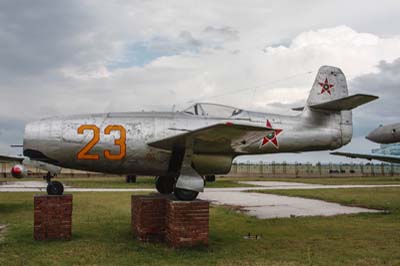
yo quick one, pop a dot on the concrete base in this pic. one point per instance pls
(52, 217)
(178, 223)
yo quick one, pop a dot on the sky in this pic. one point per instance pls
(86, 56)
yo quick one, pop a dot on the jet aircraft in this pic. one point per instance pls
(180, 148)
(384, 135)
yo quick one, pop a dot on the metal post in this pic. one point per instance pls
(372, 169)
(284, 168)
(273, 168)
(319, 168)
(362, 169)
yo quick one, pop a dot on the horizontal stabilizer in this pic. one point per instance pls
(298, 108)
(11, 158)
(344, 104)
(384, 158)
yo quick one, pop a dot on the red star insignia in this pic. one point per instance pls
(326, 87)
(271, 137)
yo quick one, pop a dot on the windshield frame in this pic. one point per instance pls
(198, 110)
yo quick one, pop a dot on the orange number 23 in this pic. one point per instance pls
(83, 154)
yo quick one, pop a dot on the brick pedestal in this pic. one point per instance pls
(52, 217)
(187, 223)
(148, 218)
(178, 223)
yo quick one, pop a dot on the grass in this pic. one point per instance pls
(101, 235)
(119, 182)
(370, 180)
(222, 182)
(376, 198)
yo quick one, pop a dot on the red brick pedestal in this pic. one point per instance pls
(148, 217)
(52, 217)
(178, 223)
(187, 223)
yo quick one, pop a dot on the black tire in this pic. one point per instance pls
(165, 184)
(210, 178)
(55, 188)
(185, 194)
(130, 179)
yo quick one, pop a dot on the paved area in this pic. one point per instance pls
(256, 204)
(272, 206)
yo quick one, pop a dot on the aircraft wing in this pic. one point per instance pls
(384, 158)
(11, 158)
(218, 138)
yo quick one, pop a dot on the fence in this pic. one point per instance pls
(273, 169)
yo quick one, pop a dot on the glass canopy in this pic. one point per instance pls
(213, 110)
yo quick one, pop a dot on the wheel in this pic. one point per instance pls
(185, 194)
(55, 188)
(164, 184)
(130, 179)
(210, 178)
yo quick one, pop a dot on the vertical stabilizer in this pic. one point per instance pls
(330, 84)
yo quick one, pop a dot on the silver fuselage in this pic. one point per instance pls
(385, 134)
(56, 140)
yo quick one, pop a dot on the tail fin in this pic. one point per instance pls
(330, 84)
(329, 95)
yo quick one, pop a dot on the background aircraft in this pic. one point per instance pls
(383, 135)
(182, 147)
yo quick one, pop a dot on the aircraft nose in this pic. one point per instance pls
(374, 135)
(369, 137)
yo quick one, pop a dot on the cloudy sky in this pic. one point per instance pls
(66, 57)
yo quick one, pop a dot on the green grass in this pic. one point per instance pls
(119, 182)
(148, 182)
(376, 198)
(101, 235)
(141, 182)
(370, 180)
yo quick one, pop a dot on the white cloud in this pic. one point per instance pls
(56, 58)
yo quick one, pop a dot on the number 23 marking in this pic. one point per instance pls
(83, 154)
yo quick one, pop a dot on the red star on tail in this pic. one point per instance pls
(326, 87)
(271, 137)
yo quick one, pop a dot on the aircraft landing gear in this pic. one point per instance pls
(165, 184)
(209, 178)
(185, 194)
(53, 187)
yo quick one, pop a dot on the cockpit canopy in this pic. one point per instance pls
(213, 110)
